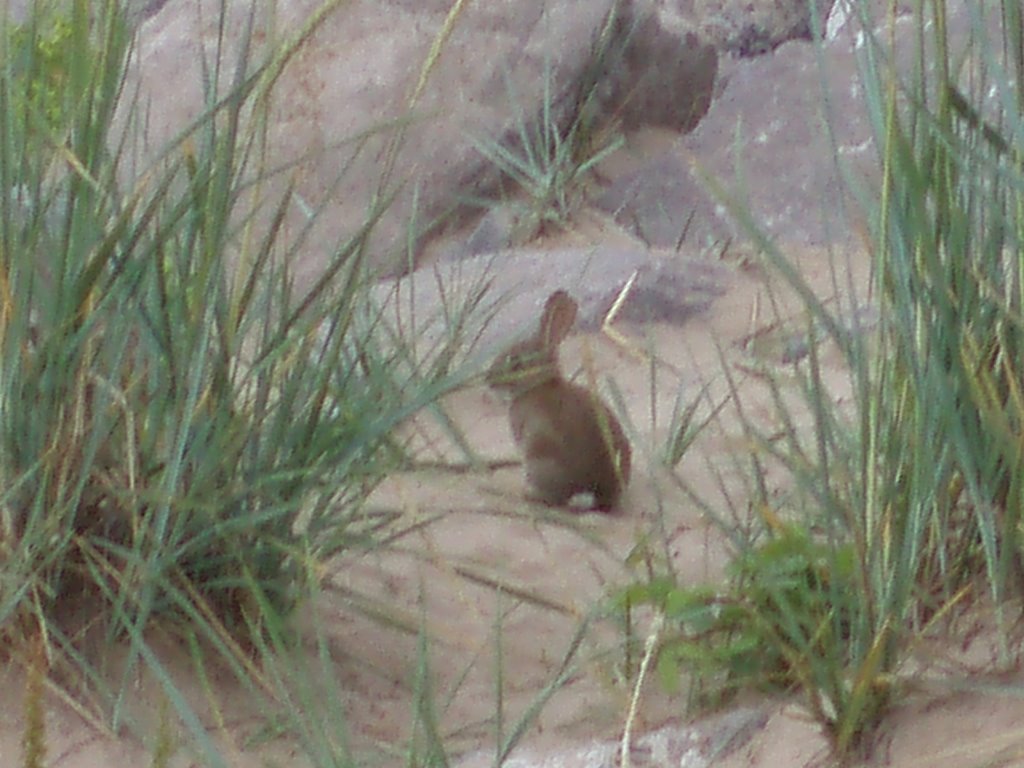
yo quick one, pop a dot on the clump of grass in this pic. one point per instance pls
(905, 505)
(185, 434)
(548, 165)
(549, 156)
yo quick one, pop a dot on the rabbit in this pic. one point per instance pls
(570, 440)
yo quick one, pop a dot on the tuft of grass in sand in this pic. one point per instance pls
(904, 507)
(186, 437)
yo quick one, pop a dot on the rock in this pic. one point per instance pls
(664, 75)
(337, 102)
(509, 290)
(763, 146)
(504, 226)
(767, 147)
(660, 203)
(753, 27)
(344, 123)
(700, 744)
(785, 139)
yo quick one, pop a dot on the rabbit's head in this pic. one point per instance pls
(534, 361)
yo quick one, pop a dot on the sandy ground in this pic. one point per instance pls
(479, 534)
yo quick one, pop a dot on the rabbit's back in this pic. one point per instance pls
(571, 444)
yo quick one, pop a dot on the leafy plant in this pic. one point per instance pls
(781, 623)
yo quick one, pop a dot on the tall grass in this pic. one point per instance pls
(924, 482)
(950, 226)
(905, 506)
(185, 435)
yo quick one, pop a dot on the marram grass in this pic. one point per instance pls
(186, 436)
(904, 506)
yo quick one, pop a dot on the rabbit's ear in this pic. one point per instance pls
(556, 322)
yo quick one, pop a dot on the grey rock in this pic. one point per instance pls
(660, 202)
(509, 288)
(753, 27)
(504, 226)
(664, 74)
(694, 745)
(344, 124)
(766, 145)
(342, 106)
(789, 139)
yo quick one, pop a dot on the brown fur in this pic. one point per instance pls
(570, 440)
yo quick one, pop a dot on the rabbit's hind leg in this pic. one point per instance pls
(548, 483)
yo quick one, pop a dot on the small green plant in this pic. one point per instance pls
(546, 164)
(550, 156)
(781, 623)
